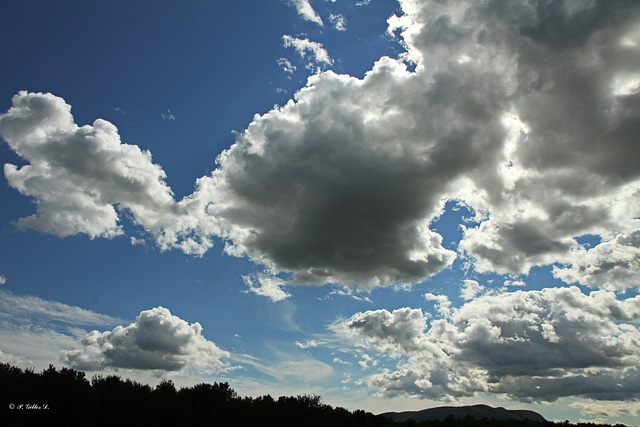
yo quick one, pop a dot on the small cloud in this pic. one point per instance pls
(363, 3)
(266, 285)
(3, 279)
(307, 344)
(121, 111)
(339, 21)
(349, 293)
(442, 303)
(518, 283)
(304, 46)
(304, 9)
(340, 361)
(286, 65)
(470, 290)
(168, 115)
(367, 362)
(138, 242)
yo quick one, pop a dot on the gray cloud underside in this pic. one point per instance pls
(526, 112)
(531, 346)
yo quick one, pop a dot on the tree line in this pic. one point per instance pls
(66, 397)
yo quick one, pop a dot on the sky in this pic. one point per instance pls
(391, 204)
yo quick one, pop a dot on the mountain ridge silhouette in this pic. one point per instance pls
(478, 412)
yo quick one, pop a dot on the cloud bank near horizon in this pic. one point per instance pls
(510, 111)
(531, 346)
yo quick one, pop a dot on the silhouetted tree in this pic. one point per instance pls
(118, 402)
(111, 401)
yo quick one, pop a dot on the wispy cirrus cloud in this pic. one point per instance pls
(33, 331)
(32, 309)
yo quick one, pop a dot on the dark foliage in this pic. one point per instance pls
(66, 398)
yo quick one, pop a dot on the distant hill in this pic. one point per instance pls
(477, 411)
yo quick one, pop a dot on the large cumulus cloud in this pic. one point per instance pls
(529, 345)
(340, 186)
(156, 340)
(527, 112)
(572, 167)
(511, 109)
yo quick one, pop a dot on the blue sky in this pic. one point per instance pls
(392, 204)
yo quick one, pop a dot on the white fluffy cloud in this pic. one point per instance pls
(157, 340)
(83, 177)
(304, 9)
(510, 111)
(470, 289)
(611, 265)
(77, 174)
(535, 345)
